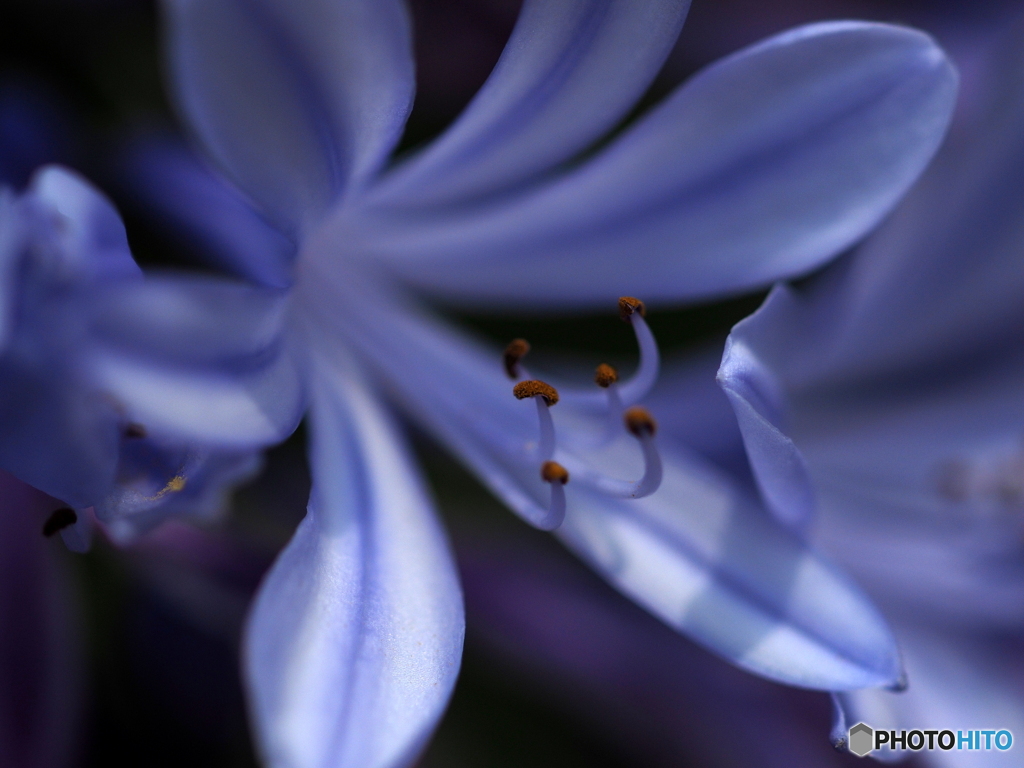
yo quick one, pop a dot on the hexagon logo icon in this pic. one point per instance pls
(861, 739)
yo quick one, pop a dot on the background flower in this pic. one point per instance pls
(895, 375)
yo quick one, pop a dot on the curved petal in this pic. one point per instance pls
(90, 239)
(758, 401)
(704, 559)
(569, 72)
(957, 682)
(699, 553)
(354, 641)
(192, 205)
(959, 235)
(58, 243)
(761, 166)
(199, 360)
(298, 102)
(916, 472)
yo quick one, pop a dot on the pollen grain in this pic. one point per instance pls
(639, 421)
(532, 388)
(553, 472)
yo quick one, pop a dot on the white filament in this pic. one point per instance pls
(546, 445)
(556, 512)
(636, 387)
(649, 482)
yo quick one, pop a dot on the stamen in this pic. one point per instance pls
(605, 376)
(533, 388)
(641, 425)
(636, 388)
(514, 352)
(545, 396)
(553, 472)
(59, 520)
(639, 422)
(556, 476)
(175, 485)
(646, 374)
(628, 306)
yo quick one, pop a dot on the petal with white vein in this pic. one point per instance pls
(296, 101)
(761, 166)
(199, 359)
(759, 403)
(570, 71)
(354, 641)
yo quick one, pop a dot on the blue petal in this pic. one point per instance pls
(902, 370)
(91, 240)
(957, 682)
(760, 167)
(702, 557)
(298, 102)
(958, 236)
(354, 641)
(159, 479)
(888, 453)
(700, 553)
(58, 242)
(189, 202)
(569, 72)
(759, 403)
(199, 359)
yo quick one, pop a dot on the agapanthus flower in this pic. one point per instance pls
(62, 245)
(887, 390)
(759, 168)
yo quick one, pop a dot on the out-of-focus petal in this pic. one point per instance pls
(917, 487)
(957, 682)
(569, 72)
(916, 471)
(760, 167)
(355, 638)
(698, 553)
(759, 404)
(192, 205)
(199, 359)
(298, 102)
(90, 237)
(157, 480)
(959, 235)
(57, 241)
